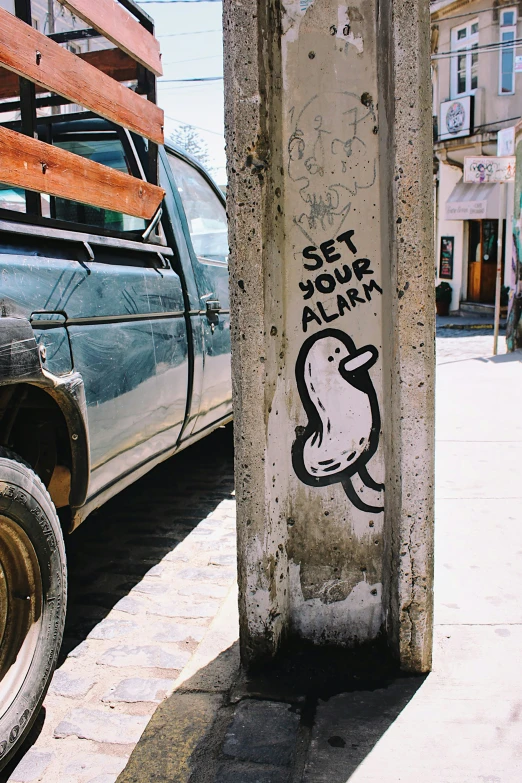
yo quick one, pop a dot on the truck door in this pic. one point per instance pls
(206, 225)
(126, 323)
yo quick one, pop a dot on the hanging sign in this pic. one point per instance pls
(446, 258)
(489, 169)
(456, 118)
(506, 142)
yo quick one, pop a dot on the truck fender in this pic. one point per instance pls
(20, 363)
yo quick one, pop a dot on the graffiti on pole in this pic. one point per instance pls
(344, 422)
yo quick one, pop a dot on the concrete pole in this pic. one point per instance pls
(328, 127)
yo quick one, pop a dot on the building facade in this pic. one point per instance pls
(477, 88)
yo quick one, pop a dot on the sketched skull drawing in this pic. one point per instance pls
(328, 158)
(343, 429)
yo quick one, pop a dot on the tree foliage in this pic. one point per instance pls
(187, 137)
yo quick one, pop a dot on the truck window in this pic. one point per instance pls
(105, 148)
(109, 152)
(12, 198)
(206, 216)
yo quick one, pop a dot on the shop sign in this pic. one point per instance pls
(446, 258)
(506, 142)
(489, 169)
(456, 118)
(518, 63)
(466, 210)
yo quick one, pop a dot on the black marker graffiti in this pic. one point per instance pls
(330, 279)
(344, 422)
(330, 163)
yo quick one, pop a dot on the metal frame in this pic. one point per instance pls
(33, 201)
(74, 35)
(69, 234)
(49, 132)
(141, 15)
(28, 102)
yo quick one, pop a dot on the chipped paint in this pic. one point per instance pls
(344, 29)
(356, 619)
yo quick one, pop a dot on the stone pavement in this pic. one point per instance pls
(149, 574)
(311, 718)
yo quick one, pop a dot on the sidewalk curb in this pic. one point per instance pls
(189, 719)
(466, 327)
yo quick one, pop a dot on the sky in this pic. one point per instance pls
(192, 47)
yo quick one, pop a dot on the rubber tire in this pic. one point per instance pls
(24, 499)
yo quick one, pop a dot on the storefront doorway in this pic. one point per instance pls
(482, 260)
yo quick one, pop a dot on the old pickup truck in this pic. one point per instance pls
(114, 355)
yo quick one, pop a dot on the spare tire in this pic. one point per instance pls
(33, 593)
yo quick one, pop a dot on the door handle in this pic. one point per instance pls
(213, 306)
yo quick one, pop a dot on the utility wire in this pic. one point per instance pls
(180, 122)
(498, 46)
(193, 60)
(193, 79)
(192, 32)
(170, 2)
(496, 122)
(461, 16)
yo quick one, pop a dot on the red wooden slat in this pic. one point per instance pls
(34, 165)
(118, 26)
(29, 53)
(113, 62)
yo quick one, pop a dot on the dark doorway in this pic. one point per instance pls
(482, 260)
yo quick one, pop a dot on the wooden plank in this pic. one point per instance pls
(33, 165)
(113, 62)
(119, 27)
(29, 53)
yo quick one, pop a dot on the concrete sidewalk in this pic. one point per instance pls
(460, 724)
(465, 721)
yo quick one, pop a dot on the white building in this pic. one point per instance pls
(477, 91)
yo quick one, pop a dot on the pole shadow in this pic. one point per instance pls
(345, 701)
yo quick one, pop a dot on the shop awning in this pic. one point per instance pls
(473, 202)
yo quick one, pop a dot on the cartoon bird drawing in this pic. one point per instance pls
(344, 422)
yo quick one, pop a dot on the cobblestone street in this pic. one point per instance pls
(148, 575)
(455, 345)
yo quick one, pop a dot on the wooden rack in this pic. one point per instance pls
(32, 63)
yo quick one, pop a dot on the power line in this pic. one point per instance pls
(169, 2)
(180, 122)
(193, 60)
(192, 32)
(493, 47)
(461, 16)
(184, 89)
(193, 79)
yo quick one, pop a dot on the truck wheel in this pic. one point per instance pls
(33, 592)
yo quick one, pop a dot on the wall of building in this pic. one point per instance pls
(492, 106)
(449, 176)
(492, 111)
